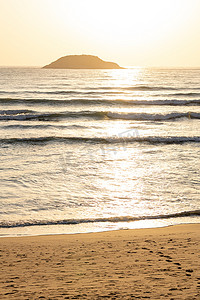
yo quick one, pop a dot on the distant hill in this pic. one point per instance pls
(81, 62)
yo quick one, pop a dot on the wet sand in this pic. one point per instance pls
(161, 263)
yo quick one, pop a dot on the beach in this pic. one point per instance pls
(100, 148)
(156, 263)
(87, 158)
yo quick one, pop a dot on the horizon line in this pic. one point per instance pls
(126, 67)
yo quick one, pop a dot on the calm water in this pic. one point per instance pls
(92, 150)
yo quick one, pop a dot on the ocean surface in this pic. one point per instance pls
(97, 150)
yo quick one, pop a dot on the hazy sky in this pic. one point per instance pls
(130, 32)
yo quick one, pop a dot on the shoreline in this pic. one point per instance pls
(95, 227)
(92, 232)
(154, 263)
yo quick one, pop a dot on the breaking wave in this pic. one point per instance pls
(123, 138)
(152, 117)
(121, 102)
(23, 115)
(11, 224)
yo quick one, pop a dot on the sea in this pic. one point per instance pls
(97, 150)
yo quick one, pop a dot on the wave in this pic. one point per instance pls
(191, 94)
(63, 92)
(41, 126)
(91, 89)
(56, 92)
(52, 116)
(23, 115)
(152, 117)
(148, 88)
(121, 102)
(139, 87)
(12, 224)
(15, 112)
(130, 136)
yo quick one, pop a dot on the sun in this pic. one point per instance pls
(130, 32)
(128, 21)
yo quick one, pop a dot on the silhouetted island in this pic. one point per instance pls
(81, 62)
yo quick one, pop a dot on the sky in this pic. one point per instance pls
(147, 33)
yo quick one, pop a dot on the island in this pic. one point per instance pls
(81, 62)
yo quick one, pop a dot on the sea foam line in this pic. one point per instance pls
(11, 224)
(45, 116)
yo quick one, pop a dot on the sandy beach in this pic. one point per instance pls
(158, 263)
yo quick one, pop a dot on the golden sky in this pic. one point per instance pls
(152, 33)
